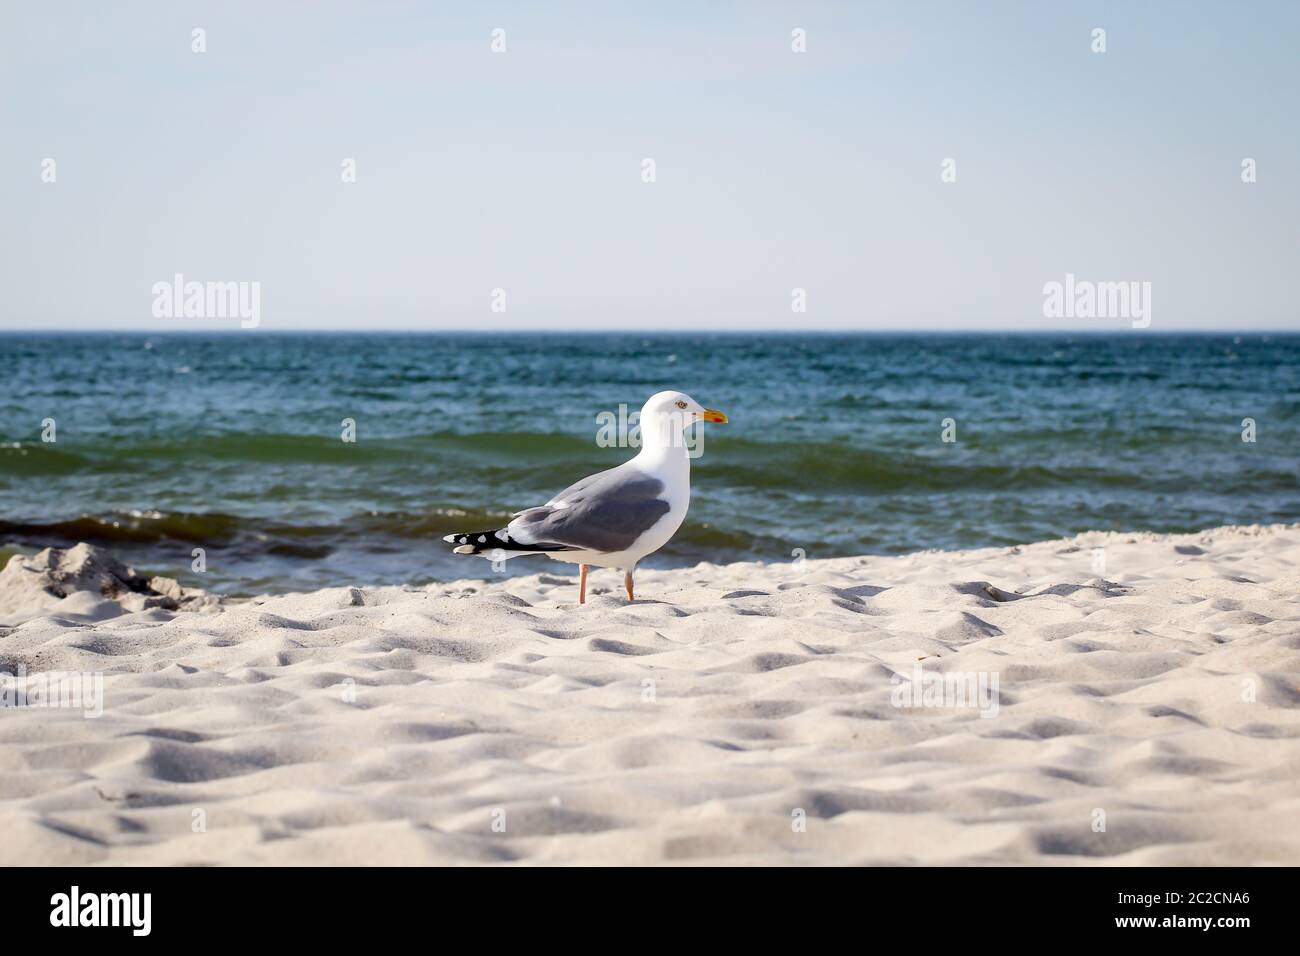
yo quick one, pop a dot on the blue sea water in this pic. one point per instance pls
(232, 442)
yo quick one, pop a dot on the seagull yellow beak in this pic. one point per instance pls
(713, 415)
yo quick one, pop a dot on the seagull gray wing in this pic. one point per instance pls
(606, 512)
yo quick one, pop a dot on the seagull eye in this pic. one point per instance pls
(681, 404)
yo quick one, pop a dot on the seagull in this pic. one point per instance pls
(614, 518)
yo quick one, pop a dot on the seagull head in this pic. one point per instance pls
(668, 414)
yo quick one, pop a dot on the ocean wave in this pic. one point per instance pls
(35, 459)
(99, 453)
(250, 535)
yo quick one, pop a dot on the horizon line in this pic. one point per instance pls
(510, 330)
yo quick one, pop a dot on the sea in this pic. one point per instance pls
(254, 461)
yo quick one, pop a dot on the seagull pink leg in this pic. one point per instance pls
(582, 584)
(627, 583)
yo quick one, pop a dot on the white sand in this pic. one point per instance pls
(700, 724)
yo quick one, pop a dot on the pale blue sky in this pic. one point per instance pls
(775, 170)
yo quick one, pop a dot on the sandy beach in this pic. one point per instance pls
(744, 713)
